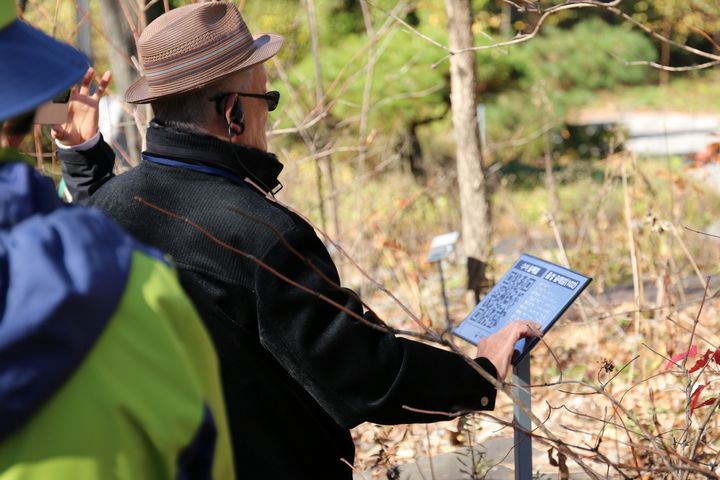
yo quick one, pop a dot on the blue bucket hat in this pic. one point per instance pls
(34, 68)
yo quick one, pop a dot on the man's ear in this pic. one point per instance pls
(234, 115)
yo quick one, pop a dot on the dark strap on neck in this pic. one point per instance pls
(197, 149)
(218, 172)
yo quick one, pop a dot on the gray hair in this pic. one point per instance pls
(193, 111)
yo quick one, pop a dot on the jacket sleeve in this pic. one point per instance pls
(86, 171)
(355, 372)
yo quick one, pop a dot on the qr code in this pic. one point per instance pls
(501, 299)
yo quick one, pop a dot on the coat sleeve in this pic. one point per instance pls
(355, 372)
(86, 171)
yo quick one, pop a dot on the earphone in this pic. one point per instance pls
(234, 115)
(235, 118)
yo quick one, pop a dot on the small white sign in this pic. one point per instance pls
(442, 246)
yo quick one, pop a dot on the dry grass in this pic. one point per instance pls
(617, 325)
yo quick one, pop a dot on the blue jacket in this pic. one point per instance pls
(105, 369)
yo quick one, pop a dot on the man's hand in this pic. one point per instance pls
(83, 111)
(500, 346)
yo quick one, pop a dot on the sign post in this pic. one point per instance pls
(532, 289)
(448, 320)
(440, 248)
(523, 441)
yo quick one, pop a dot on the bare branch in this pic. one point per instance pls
(701, 233)
(657, 66)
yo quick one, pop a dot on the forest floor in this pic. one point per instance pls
(603, 338)
(440, 451)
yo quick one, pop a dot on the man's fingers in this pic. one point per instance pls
(529, 329)
(58, 133)
(533, 329)
(89, 74)
(522, 329)
(87, 79)
(102, 85)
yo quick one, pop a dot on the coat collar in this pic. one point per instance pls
(196, 148)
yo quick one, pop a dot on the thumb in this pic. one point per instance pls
(58, 133)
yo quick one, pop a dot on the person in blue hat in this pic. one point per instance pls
(106, 371)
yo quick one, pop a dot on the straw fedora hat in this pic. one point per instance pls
(192, 46)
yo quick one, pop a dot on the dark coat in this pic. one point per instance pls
(297, 372)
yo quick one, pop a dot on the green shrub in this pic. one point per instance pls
(524, 86)
(564, 70)
(588, 57)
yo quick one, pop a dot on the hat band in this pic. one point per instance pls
(203, 58)
(198, 75)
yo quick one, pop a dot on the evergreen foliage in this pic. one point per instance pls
(523, 86)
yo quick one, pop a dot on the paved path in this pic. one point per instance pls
(497, 451)
(709, 175)
(661, 133)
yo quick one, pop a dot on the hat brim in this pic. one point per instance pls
(267, 46)
(35, 68)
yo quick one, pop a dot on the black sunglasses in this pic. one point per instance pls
(272, 98)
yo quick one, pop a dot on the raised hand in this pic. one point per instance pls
(83, 111)
(500, 346)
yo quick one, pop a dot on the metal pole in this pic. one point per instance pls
(448, 321)
(523, 442)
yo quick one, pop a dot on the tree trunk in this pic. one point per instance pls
(121, 49)
(665, 55)
(121, 37)
(411, 151)
(474, 198)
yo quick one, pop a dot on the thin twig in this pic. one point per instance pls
(701, 233)
(657, 66)
(353, 468)
(697, 320)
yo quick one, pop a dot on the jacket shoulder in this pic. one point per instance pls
(62, 276)
(188, 213)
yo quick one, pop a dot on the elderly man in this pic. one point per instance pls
(301, 361)
(106, 371)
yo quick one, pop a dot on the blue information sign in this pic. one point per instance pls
(532, 289)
